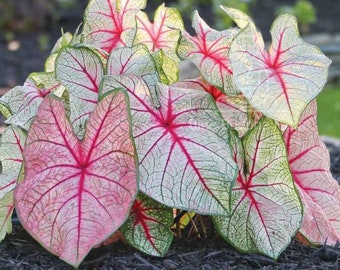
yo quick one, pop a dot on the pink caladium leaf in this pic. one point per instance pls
(182, 145)
(163, 33)
(148, 226)
(266, 211)
(236, 110)
(209, 52)
(20, 104)
(109, 24)
(319, 191)
(80, 70)
(77, 193)
(282, 82)
(11, 147)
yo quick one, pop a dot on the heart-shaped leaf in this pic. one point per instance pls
(80, 70)
(319, 191)
(282, 82)
(77, 193)
(21, 103)
(236, 110)
(182, 145)
(209, 52)
(109, 24)
(163, 33)
(148, 226)
(265, 207)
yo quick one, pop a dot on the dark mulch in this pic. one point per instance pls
(20, 251)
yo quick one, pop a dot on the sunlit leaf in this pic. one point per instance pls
(77, 193)
(109, 24)
(163, 33)
(265, 207)
(319, 191)
(182, 145)
(282, 82)
(148, 226)
(80, 70)
(208, 50)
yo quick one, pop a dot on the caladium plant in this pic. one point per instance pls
(108, 133)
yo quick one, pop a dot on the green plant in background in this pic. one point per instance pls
(329, 111)
(304, 11)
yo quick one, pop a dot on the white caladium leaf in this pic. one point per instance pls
(148, 226)
(266, 211)
(182, 145)
(135, 60)
(282, 82)
(236, 110)
(6, 211)
(80, 70)
(208, 50)
(11, 147)
(319, 191)
(20, 104)
(109, 24)
(77, 192)
(163, 33)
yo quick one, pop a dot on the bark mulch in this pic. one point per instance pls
(19, 251)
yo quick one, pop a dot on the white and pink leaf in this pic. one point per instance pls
(148, 226)
(266, 211)
(319, 191)
(279, 83)
(77, 192)
(182, 146)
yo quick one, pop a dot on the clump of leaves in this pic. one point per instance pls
(108, 139)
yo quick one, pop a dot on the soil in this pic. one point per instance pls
(20, 251)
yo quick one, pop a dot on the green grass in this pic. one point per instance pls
(329, 111)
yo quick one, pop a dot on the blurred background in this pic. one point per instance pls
(29, 29)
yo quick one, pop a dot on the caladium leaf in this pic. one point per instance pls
(6, 211)
(77, 193)
(319, 191)
(148, 226)
(182, 145)
(266, 210)
(209, 52)
(135, 60)
(282, 82)
(163, 33)
(236, 110)
(109, 24)
(20, 104)
(11, 147)
(80, 70)
(62, 42)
